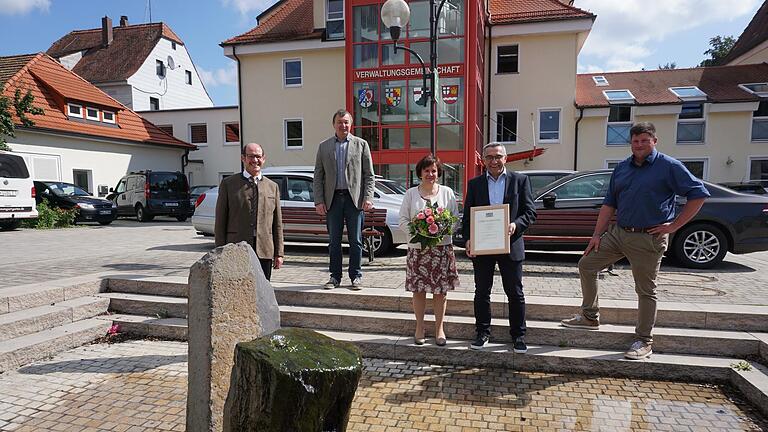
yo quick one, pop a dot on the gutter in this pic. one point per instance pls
(489, 63)
(576, 140)
(239, 100)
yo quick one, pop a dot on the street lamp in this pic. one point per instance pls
(395, 14)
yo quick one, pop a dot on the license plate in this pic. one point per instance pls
(14, 209)
(8, 193)
(171, 204)
(105, 212)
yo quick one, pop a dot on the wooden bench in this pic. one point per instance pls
(374, 222)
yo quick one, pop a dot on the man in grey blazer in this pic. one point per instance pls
(248, 209)
(343, 191)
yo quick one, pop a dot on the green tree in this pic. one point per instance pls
(22, 105)
(720, 46)
(669, 65)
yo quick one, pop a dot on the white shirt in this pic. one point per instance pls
(413, 203)
(248, 176)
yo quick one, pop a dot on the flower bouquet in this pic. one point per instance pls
(431, 224)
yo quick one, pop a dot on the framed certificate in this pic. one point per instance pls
(489, 229)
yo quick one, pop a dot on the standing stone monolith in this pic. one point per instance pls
(230, 301)
(293, 380)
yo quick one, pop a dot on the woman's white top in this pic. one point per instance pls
(413, 203)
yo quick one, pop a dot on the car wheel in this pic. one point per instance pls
(142, 215)
(105, 222)
(700, 246)
(181, 218)
(10, 225)
(381, 244)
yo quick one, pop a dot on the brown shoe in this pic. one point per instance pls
(581, 322)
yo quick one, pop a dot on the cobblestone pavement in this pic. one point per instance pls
(168, 248)
(141, 386)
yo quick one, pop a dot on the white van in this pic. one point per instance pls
(17, 192)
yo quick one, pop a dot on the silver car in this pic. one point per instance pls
(296, 190)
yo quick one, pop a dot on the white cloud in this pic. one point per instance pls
(626, 30)
(246, 6)
(13, 7)
(220, 77)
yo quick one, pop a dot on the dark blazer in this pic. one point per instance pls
(233, 216)
(517, 193)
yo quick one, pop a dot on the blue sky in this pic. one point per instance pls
(628, 34)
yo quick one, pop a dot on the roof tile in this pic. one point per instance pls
(523, 11)
(290, 20)
(754, 34)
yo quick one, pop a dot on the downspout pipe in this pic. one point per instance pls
(239, 100)
(184, 161)
(576, 140)
(489, 63)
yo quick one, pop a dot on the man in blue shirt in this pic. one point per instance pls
(641, 194)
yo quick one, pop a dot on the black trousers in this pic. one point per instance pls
(266, 264)
(512, 280)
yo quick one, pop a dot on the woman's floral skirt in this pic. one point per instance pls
(431, 270)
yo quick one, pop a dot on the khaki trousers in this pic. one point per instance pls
(644, 252)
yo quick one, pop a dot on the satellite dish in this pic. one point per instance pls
(171, 63)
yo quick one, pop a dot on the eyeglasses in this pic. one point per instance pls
(494, 158)
(252, 156)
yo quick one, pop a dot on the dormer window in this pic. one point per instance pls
(334, 23)
(74, 110)
(619, 97)
(108, 116)
(757, 89)
(92, 114)
(160, 68)
(600, 80)
(689, 94)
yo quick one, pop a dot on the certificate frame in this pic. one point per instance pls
(488, 225)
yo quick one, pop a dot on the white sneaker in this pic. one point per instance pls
(332, 283)
(639, 350)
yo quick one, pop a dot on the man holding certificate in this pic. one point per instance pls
(498, 209)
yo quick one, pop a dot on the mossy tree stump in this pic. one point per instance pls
(292, 380)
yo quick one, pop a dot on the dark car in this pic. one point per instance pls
(196, 191)
(541, 178)
(747, 187)
(728, 221)
(146, 194)
(68, 196)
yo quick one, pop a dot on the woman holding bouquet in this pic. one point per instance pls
(428, 215)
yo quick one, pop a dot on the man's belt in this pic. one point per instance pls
(635, 229)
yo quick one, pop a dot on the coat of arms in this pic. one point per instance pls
(450, 93)
(365, 97)
(393, 95)
(417, 92)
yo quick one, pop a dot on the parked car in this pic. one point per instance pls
(196, 191)
(747, 187)
(68, 196)
(541, 178)
(17, 192)
(296, 190)
(146, 194)
(728, 221)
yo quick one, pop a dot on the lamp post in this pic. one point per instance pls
(395, 14)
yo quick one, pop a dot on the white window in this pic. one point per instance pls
(689, 94)
(160, 68)
(74, 110)
(758, 169)
(334, 24)
(619, 123)
(108, 116)
(506, 126)
(292, 72)
(619, 96)
(600, 80)
(760, 122)
(92, 114)
(691, 124)
(198, 134)
(188, 77)
(549, 125)
(293, 131)
(232, 133)
(154, 104)
(697, 167)
(757, 89)
(611, 163)
(507, 59)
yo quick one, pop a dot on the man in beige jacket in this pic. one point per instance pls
(248, 209)
(343, 191)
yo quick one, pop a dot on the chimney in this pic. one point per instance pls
(123, 21)
(106, 31)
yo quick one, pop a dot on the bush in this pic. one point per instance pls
(51, 217)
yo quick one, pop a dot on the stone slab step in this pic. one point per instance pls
(164, 286)
(22, 297)
(149, 305)
(543, 358)
(164, 328)
(29, 348)
(28, 321)
(618, 337)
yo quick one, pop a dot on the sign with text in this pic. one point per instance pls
(409, 72)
